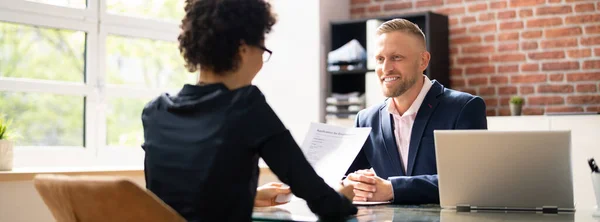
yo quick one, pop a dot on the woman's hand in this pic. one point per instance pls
(266, 194)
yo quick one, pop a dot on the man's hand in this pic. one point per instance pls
(266, 194)
(369, 187)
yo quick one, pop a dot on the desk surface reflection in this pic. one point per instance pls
(298, 211)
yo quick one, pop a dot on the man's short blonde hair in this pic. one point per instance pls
(401, 25)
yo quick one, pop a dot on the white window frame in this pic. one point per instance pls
(98, 24)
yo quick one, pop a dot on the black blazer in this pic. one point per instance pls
(202, 148)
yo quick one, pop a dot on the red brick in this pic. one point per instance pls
(508, 47)
(490, 38)
(482, 28)
(556, 77)
(490, 112)
(591, 40)
(553, 66)
(374, 8)
(545, 100)
(508, 68)
(480, 70)
(359, 10)
(498, 5)
(356, 2)
(531, 34)
(586, 76)
(429, 3)
(488, 90)
(579, 53)
(593, 29)
(478, 49)
(529, 45)
(452, 11)
(587, 87)
(553, 10)
(524, 13)
(453, 21)
(465, 40)
(529, 78)
(478, 7)
(473, 60)
(499, 79)
(491, 101)
(554, 1)
(507, 15)
(511, 25)
(526, 90)
(486, 16)
(457, 82)
(586, 7)
(546, 55)
(468, 19)
(456, 71)
(507, 90)
(453, 51)
(581, 19)
(522, 3)
(533, 111)
(508, 58)
(544, 22)
(530, 67)
(504, 111)
(469, 90)
(559, 43)
(597, 51)
(592, 64)
(584, 99)
(453, 1)
(397, 6)
(477, 81)
(555, 88)
(562, 32)
(563, 109)
(593, 109)
(508, 36)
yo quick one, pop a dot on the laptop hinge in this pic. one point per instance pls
(550, 209)
(463, 208)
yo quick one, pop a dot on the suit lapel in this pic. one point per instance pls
(427, 107)
(389, 141)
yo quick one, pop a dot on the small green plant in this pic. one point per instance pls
(516, 100)
(3, 128)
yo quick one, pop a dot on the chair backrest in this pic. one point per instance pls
(100, 198)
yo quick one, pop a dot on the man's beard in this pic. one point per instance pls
(402, 87)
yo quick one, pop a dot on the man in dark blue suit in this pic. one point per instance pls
(397, 162)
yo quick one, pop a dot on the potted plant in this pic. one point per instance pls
(516, 105)
(6, 146)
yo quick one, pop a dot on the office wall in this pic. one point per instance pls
(545, 50)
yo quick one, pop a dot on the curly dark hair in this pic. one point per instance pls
(213, 30)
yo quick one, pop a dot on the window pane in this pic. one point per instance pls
(145, 63)
(41, 53)
(168, 10)
(124, 122)
(65, 3)
(41, 119)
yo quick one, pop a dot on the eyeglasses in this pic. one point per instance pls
(267, 54)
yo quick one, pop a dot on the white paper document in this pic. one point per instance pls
(332, 149)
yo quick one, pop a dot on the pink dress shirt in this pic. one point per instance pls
(403, 122)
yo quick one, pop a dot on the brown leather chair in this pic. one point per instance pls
(101, 198)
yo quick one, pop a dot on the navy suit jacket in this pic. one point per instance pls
(441, 109)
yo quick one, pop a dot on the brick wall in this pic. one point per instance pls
(548, 51)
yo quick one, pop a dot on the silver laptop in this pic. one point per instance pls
(504, 170)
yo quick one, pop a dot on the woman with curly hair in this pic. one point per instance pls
(202, 145)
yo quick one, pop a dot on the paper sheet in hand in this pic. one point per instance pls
(331, 149)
